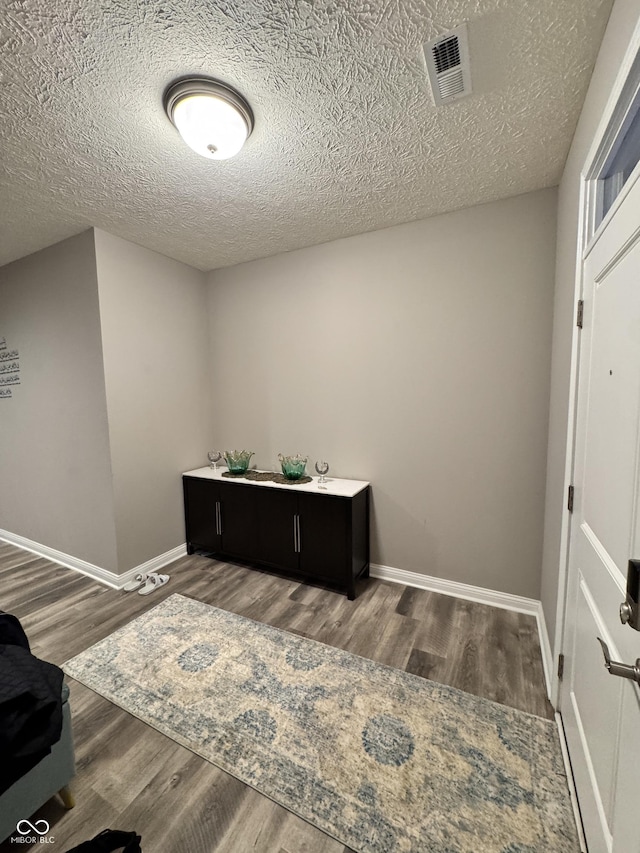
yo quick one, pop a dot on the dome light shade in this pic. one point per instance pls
(213, 119)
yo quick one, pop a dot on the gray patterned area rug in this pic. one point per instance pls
(379, 759)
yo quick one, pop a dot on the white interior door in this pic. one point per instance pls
(601, 712)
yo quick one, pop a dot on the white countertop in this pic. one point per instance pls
(333, 486)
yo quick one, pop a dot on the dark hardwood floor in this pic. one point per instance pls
(131, 777)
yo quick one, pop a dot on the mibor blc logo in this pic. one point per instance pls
(32, 833)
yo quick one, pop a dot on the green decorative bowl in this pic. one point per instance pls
(293, 467)
(237, 460)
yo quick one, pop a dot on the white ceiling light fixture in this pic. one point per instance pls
(213, 119)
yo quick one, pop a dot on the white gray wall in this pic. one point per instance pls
(418, 358)
(55, 474)
(624, 18)
(155, 343)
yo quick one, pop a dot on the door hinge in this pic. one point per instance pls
(560, 666)
(570, 499)
(580, 313)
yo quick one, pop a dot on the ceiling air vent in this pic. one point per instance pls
(448, 65)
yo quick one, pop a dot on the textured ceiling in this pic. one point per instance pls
(347, 138)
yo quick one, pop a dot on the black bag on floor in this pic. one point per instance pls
(109, 840)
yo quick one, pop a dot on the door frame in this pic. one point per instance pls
(612, 124)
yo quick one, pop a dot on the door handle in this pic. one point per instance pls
(299, 537)
(219, 508)
(624, 670)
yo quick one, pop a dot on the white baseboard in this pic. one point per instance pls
(479, 594)
(155, 563)
(89, 569)
(547, 654)
(458, 590)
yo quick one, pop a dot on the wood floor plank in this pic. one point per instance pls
(198, 802)
(396, 641)
(534, 700)
(437, 631)
(502, 660)
(131, 777)
(425, 664)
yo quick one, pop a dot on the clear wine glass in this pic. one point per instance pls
(322, 468)
(214, 456)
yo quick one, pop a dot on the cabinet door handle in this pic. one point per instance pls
(299, 537)
(295, 535)
(219, 505)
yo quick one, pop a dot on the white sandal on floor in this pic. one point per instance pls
(135, 583)
(154, 581)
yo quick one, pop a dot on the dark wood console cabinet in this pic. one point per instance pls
(317, 535)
